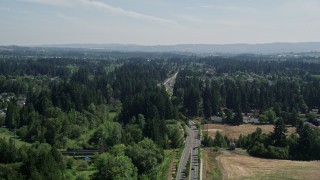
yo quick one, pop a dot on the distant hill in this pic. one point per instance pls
(268, 48)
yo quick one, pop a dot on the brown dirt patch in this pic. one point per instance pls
(236, 166)
(235, 131)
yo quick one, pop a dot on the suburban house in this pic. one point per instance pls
(216, 119)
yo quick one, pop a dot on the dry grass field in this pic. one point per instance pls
(239, 165)
(210, 169)
(235, 166)
(235, 131)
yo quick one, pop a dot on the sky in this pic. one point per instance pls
(158, 22)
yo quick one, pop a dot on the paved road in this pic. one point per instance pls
(191, 148)
(194, 154)
(169, 83)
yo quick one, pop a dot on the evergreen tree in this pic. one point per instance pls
(42, 161)
(215, 99)
(12, 115)
(238, 118)
(207, 140)
(219, 140)
(206, 98)
(279, 134)
(229, 117)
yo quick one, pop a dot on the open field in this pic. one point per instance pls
(5, 133)
(235, 131)
(235, 166)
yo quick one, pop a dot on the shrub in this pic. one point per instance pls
(219, 140)
(207, 140)
(216, 149)
(82, 166)
(69, 162)
(278, 152)
(273, 152)
(258, 150)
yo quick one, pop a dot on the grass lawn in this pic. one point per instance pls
(80, 169)
(5, 133)
(164, 168)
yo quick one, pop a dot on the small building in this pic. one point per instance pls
(250, 115)
(232, 145)
(250, 79)
(2, 113)
(21, 101)
(301, 115)
(312, 126)
(251, 120)
(216, 119)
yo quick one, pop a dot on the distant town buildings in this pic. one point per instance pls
(253, 118)
(5, 98)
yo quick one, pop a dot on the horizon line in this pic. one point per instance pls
(146, 45)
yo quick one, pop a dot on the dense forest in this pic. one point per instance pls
(108, 105)
(279, 92)
(118, 106)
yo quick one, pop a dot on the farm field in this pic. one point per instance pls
(234, 132)
(237, 166)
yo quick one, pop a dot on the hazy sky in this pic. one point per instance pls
(31, 22)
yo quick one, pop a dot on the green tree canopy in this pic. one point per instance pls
(42, 162)
(145, 155)
(111, 167)
(219, 140)
(278, 136)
